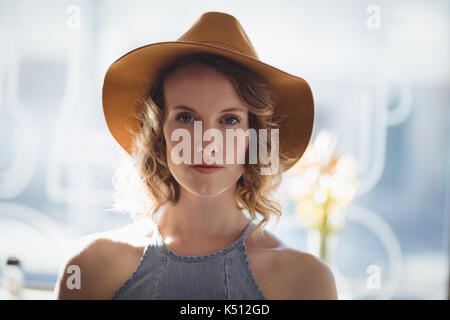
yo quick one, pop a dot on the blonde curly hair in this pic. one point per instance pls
(143, 182)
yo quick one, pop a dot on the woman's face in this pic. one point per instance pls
(199, 93)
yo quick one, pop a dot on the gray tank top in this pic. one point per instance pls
(164, 274)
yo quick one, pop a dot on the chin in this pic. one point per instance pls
(206, 185)
(206, 189)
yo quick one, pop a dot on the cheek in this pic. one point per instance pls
(240, 150)
(169, 145)
(168, 129)
(172, 166)
(173, 149)
(237, 147)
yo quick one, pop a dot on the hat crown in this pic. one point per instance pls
(221, 30)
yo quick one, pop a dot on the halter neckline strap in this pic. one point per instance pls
(223, 251)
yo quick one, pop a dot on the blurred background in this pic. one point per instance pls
(379, 72)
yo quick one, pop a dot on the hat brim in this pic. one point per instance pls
(130, 78)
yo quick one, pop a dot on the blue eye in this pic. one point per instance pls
(184, 117)
(234, 120)
(187, 118)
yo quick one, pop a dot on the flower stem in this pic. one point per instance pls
(324, 232)
(323, 249)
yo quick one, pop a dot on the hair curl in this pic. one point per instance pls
(145, 184)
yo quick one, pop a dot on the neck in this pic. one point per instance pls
(198, 218)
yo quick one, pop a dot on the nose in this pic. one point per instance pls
(209, 143)
(213, 145)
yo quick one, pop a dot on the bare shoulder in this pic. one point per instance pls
(291, 274)
(95, 265)
(305, 276)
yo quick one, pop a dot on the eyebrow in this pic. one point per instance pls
(223, 111)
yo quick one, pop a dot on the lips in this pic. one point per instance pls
(206, 168)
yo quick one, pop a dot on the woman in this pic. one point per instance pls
(200, 244)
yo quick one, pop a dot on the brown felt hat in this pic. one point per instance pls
(130, 78)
